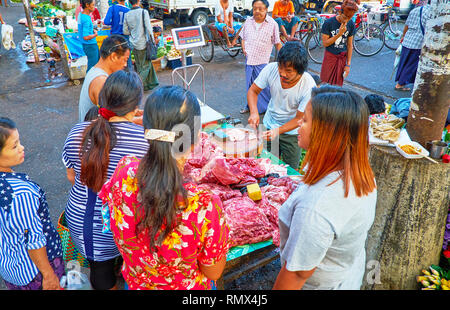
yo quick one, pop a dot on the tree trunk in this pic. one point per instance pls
(408, 231)
(26, 7)
(430, 103)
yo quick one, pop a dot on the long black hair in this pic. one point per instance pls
(121, 94)
(159, 178)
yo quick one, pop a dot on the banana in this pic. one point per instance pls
(426, 272)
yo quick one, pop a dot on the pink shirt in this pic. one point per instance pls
(259, 42)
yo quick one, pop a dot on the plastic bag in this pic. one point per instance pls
(75, 280)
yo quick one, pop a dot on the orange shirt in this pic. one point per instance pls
(283, 10)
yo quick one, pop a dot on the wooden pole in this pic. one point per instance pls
(26, 6)
(430, 98)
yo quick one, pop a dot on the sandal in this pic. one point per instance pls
(244, 110)
(402, 88)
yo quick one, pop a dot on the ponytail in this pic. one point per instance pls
(98, 140)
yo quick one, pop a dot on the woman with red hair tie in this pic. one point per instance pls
(325, 222)
(337, 37)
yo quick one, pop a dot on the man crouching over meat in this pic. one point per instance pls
(290, 88)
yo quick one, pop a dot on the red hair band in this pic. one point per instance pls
(106, 114)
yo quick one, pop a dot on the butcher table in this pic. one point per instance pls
(246, 258)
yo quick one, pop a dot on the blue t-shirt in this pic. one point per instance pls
(114, 17)
(331, 27)
(85, 28)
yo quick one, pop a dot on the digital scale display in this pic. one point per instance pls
(188, 37)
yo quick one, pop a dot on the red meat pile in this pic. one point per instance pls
(249, 221)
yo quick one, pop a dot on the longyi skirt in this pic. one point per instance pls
(407, 66)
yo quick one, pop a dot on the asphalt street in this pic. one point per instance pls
(45, 112)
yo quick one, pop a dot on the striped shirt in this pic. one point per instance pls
(259, 41)
(24, 225)
(83, 209)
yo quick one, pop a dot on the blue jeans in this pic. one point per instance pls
(288, 26)
(92, 53)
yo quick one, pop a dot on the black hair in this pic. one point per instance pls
(133, 2)
(160, 181)
(115, 43)
(121, 94)
(375, 103)
(265, 2)
(92, 114)
(157, 29)
(293, 54)
(84, 3)
(6, 125)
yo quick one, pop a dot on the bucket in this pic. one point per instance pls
(437, 148)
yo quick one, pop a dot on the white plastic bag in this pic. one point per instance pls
(7, 37)
(75, 280)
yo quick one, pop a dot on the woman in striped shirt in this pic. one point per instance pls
(91, 153)
(30, 247)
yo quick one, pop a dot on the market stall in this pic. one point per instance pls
(252, 184)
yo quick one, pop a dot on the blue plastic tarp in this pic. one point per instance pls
(74, 44)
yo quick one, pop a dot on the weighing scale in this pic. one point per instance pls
(185, 38)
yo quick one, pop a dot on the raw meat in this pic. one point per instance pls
(248, 223)
(233, 170)
(224, 192)
(205, 150)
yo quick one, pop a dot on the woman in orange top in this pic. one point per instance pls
(284, 14)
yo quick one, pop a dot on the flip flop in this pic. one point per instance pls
(402, 88)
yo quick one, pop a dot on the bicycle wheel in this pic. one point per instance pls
(234, 51)
(369, 40)
(391, 39)
(315, 48)
(206, 51)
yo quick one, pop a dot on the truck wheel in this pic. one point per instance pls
(199, 18)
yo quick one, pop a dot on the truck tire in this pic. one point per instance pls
(199, 18)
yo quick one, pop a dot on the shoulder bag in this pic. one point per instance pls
(150, 44)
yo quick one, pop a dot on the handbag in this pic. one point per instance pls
(70, 252)
(150, 45)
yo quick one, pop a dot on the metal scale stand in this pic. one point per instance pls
(185, 38)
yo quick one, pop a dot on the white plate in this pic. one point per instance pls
(423, 151)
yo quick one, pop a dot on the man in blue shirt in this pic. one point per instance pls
(115, 16)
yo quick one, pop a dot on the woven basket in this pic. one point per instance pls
(70, 252)
(157, 64)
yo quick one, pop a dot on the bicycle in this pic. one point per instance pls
(369, 38)
(308, 33)
(214, 37)
(392, 28)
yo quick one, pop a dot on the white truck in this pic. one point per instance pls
(197, 10)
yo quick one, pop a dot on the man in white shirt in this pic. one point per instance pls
(224, 19)
(290, 88)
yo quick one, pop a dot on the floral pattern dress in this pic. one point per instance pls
(201, 236)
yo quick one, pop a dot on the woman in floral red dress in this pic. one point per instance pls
(170, 234)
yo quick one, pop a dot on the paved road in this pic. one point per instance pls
(45, 113)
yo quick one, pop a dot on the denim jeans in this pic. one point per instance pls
(92, 53)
